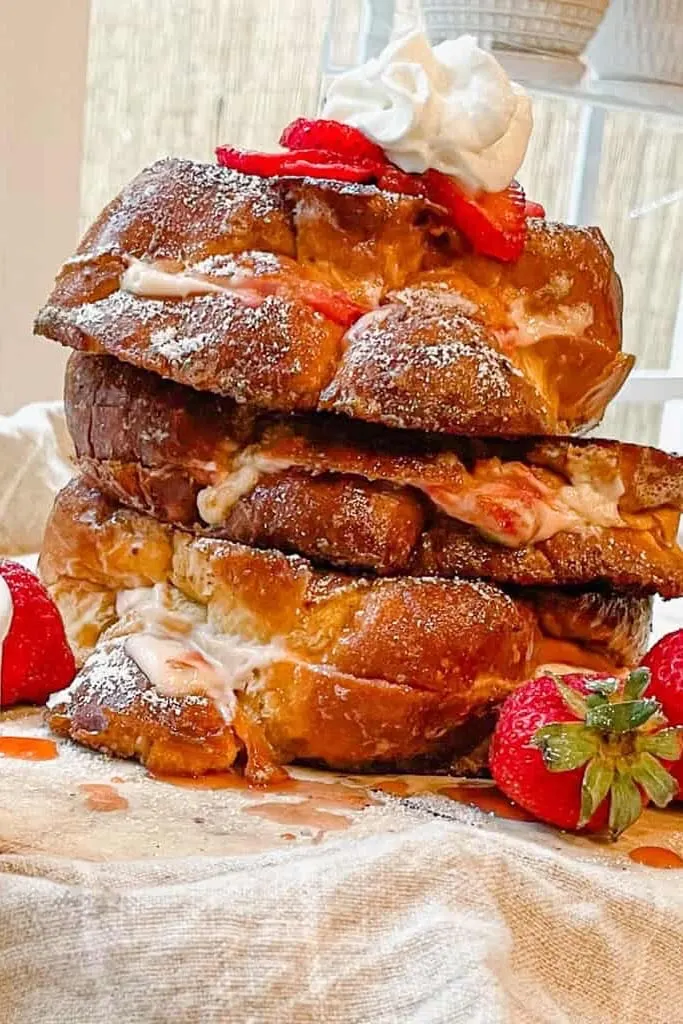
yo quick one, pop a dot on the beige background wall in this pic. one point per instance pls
(179, 77)
(42, 89)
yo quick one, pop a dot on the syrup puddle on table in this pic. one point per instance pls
(317, 805)
(393, 787)
(328, 794)
(28, 748)
(656, 857)
(485, 796)
(100, 797)
(300, 813)
(220, 780)
(316, 799)
(487, 799)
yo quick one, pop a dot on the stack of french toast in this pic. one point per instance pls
(330, 508)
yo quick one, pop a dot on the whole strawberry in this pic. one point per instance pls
(583, 752)
(665, 662)
(35, 658)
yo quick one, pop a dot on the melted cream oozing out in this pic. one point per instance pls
(538, 514)
(535, 514)
(180, 652)
(150, 282)
(6, 614)
(595, 501)
(567, 321)
(214, 502)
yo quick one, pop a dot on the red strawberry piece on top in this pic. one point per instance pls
(334, 137)
(665, 662)
(534, 210)
(304, 164)
(36, 658)
(583, 751)
(494, 222)
(393, 179)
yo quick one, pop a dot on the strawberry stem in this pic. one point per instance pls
(596, 784)
(619, 737)
(625, 804)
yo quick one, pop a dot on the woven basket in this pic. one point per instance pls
(533, 26)
(640, 39)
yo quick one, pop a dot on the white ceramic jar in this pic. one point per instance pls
(640, 40)
(547, 26)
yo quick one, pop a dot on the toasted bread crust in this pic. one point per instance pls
(372, 672)
(349, 494)
(453, 346)
(635, 561)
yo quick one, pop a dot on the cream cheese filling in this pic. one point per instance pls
(512, 507)
(515, 515)
(150, 281)
(180, 652)
(214, 502)
(146, 280)
(566, 321)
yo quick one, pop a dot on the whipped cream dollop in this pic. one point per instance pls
(451, 107)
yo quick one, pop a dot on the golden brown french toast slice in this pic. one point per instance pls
(300, 295)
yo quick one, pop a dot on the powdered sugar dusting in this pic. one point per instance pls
(174, 347)
(452, 338)
(354, 188)
(230, 190)
(438, 292)
(232, 224)
(94, 318)
(199, 328)
(108, 677)
(111, 679)
(253, 262)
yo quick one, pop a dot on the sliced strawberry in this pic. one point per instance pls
(332, 136)
(306, 164)
(494, 222)
(266, 165)
(393, 179)
(359, 172)
(332, 304)
(234, 157)
(534, 210)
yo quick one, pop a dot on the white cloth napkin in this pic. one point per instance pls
(35, 453)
